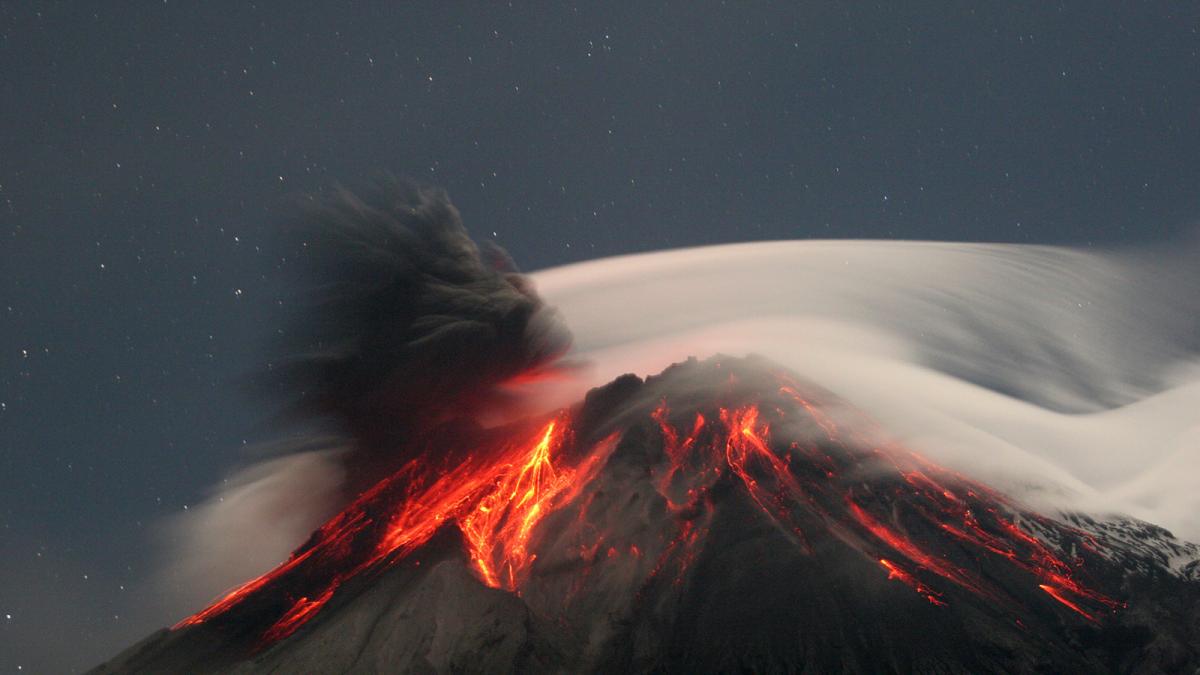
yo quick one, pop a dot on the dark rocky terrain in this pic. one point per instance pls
(723, 516)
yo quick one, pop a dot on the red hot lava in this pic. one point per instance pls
(497, 499)
(796, 465)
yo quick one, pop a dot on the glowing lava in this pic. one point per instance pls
(932, 530)
(499, 526)
(497, 499)
(807, 480)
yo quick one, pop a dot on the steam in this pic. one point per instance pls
(257, 516)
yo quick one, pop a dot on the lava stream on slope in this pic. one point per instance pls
(532, 500)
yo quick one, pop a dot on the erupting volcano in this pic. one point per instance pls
(723, 515)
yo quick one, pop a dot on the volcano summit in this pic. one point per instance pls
(724, 515)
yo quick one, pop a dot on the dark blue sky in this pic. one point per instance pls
(149, 149)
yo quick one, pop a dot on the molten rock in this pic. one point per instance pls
(721, 516)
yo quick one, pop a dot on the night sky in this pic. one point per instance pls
(149, 150)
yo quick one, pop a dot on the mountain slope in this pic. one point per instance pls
(721, 516)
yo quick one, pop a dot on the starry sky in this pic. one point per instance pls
(148, 151)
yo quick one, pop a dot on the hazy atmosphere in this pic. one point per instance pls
(150, 154)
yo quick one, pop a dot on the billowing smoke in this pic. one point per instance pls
(1068, 378)
(405, 322)
(405, 325)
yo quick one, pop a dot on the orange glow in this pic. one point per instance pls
(499, 527)
(747, 449)
(929, 528)
(1058, 595)
(296, 616)
(496, 499)
(910, 550)
(902, 575)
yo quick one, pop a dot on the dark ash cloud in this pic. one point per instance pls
(405, 322)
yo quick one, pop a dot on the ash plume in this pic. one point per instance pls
(404, 329)
(405, 322)
(1067, 378)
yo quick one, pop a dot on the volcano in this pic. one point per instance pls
(722, 516)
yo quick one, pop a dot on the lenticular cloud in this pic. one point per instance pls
(1067, 379)
(1070, 378)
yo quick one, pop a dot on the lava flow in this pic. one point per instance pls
(814, 478)
(497, 498)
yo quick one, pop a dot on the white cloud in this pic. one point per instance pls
(1066, 375)
(252, 522)
(1063, 377)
